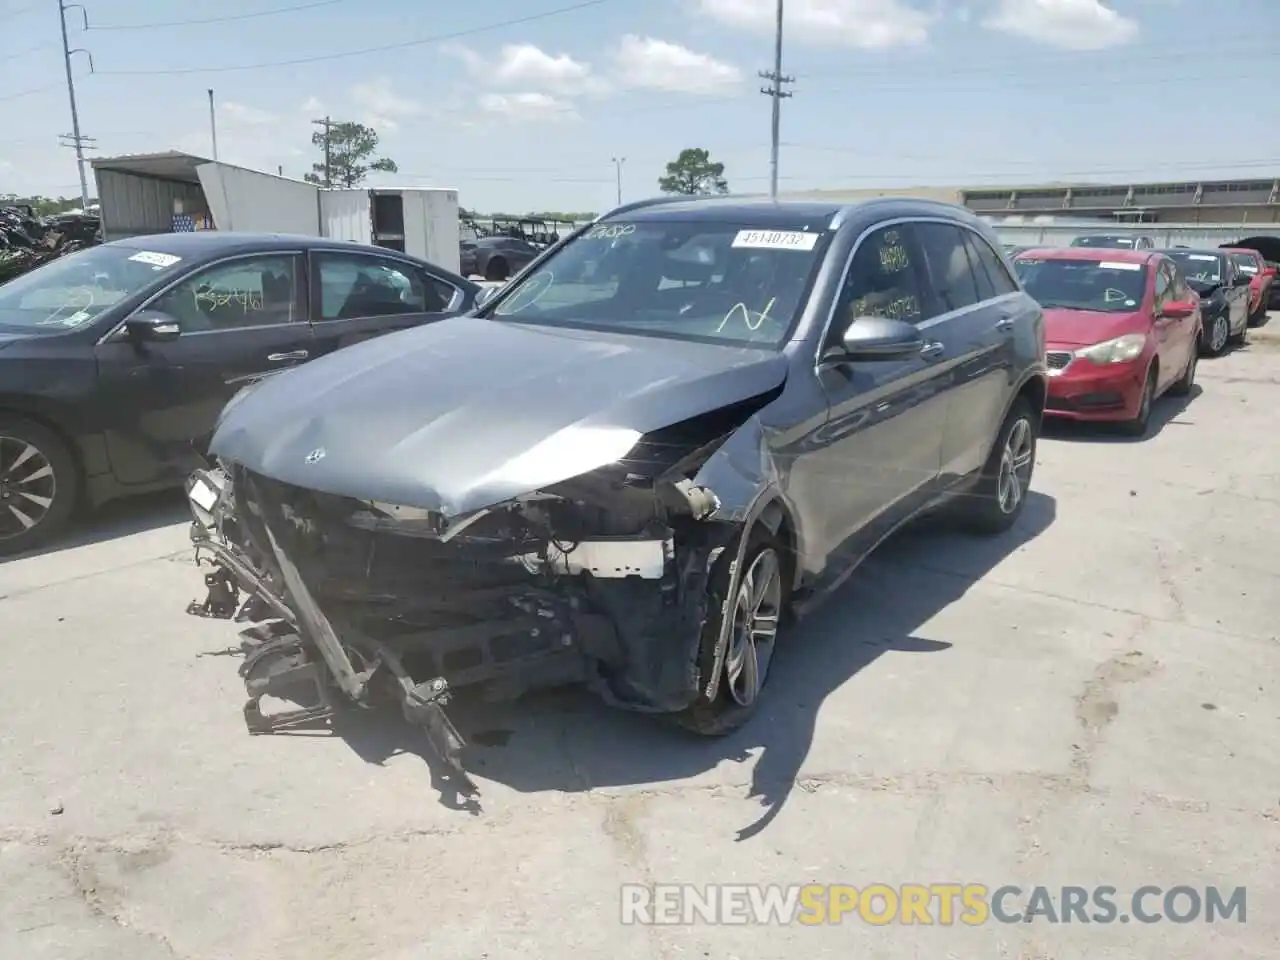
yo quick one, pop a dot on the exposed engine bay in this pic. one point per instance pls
(601, 580)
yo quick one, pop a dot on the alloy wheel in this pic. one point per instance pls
(27, 486)
(1015, 466)
(1218, 335)
(754, 630)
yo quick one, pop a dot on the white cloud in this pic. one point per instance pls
(380, 106)
(527, 67)
(312, 105)
(241, 115)
(863, 24)
(1069, 24)
(527, 106)
(658, 65)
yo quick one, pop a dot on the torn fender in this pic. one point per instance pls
(468, 412)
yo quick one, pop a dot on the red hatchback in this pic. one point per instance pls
(1121, 328)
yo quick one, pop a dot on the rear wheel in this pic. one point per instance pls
(39, 485)
(496, 269)
(754, 611)
(1001, 492)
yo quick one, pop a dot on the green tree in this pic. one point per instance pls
(693, 173)
(351, 149)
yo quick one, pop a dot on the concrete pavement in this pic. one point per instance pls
(1092, 699)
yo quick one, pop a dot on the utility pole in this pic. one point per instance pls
(213, 126)
(617, 170)
(74, 139)
(327, 123)
(775, 91)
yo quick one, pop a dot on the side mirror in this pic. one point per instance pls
(152, 326)
(1178, 310)
(879, 338)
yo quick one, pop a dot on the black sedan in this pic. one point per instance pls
(1223, 291)
(115, 361)
(496, 258)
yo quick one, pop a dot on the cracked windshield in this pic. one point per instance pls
(723, 479)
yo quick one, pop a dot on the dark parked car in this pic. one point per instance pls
(113, 360)
(623, 484)
(1223, 291)
(1114, 241)
(496, 258)
(1273, 296)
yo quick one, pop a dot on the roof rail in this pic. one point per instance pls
(658, 201)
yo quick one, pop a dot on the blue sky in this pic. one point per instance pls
(888, 93)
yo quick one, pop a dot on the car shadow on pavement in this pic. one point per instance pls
(119, 518)
(1164, 413)
(567, 740)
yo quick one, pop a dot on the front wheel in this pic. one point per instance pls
(39, 485)
(1188, 378)
(754, 611)
(1001, 492)
(1219, 334)
(1137, 427)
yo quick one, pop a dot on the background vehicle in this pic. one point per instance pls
(1273, 298)
(1224, 295)
(766, 392)
(115, 361)
(1121, 328)
(1114, 241)
(496, 258)
(1260, 276)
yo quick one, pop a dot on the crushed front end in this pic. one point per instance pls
(600, 579)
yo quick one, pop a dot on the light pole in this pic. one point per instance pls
(776, 93)
(617, 171)
(76, 140)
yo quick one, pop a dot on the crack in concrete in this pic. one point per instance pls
(1164, 570)
(100, 899)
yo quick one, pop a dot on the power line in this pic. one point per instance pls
(14, 14)
(30, 92)
(403, 45)
(229, 19)
(29, 50)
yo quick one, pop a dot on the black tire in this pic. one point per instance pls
(1257, 316)
(1137, 427)
(496, 269)
(726, 712)
(1188, 378)
(988, 510)
(58, 483)
(1217, 336)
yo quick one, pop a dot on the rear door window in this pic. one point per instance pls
(950, 270)
(998, 274)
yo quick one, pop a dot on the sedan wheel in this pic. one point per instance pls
(1219, 333)
(27, 486)
(37, 485)
(757, 609)
(1015, 467)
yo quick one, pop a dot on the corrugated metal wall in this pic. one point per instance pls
(134, 206)
(1171, 235)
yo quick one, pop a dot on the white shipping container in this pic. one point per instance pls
(252, 201)
(421, 221)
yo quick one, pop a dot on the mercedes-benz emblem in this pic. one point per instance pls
(314, 456)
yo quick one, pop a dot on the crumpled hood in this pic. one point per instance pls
(464, 413)
(1083, 328)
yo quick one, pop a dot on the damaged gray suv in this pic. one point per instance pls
(683, 422)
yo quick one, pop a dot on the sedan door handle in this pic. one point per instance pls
(1004, 324)
(291, 355)
(931, 350)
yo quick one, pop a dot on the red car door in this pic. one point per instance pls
(1168, 342)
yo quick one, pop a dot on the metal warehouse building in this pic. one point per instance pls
(1208, 212)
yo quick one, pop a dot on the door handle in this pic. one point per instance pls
(931, 349)
(290, 355)
(1004, 324)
